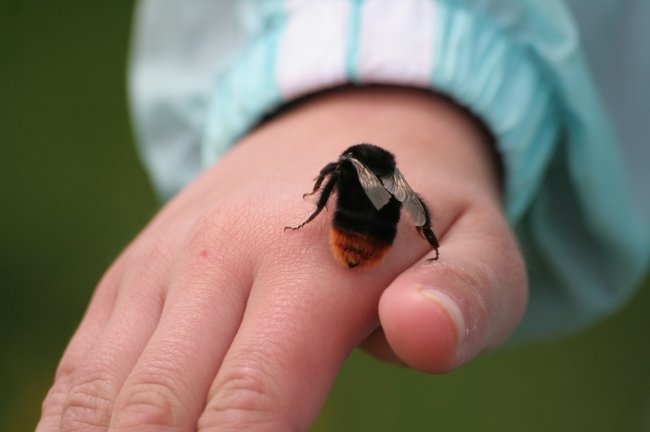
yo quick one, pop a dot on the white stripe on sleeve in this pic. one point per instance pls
(396, 42)
(312, 53)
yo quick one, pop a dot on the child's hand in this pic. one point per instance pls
(217, 316)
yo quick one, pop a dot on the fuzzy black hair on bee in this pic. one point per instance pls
(370, 193)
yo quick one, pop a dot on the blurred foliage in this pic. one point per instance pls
(74, 194)
(72, 188)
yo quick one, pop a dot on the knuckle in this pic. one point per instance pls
(210, 231)
(242, 388)
(147, 267)
(242, 400)
(88, 404)
(65, 371)
(211, 238)
(216, 222)
(110, 280)
(151, 400)
(52, 405)
(56, 395)
(154, 250)
(54, 400)
(504, 267)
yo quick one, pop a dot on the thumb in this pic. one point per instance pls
(436, 316)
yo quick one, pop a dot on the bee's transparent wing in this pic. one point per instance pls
(396, 184)
(372, 186)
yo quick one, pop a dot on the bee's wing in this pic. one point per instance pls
(372, 186)
(396, 184)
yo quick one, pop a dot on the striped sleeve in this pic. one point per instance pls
(517, 65)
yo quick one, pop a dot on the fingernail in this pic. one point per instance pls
(447, 304)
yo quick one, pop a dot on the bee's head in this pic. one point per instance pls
(378, 160)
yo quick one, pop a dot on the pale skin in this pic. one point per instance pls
(215, 316)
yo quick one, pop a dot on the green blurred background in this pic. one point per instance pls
(74, 194)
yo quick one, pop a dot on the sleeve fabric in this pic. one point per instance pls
(205, 72)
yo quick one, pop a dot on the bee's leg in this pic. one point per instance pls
(322, 201)
(426, 231)
(327, 170)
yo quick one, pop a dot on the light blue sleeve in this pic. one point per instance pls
(615, 38)
(198, 86)
(179, 50)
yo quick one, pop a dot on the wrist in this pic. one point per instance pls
(433, 139)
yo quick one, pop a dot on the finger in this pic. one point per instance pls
(102, 369)
(295, 334)
(436, 316)
(166, 389)
(91, 325)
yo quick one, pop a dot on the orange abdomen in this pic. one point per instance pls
(356, 250)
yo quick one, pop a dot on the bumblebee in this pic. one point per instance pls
(370, 192)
